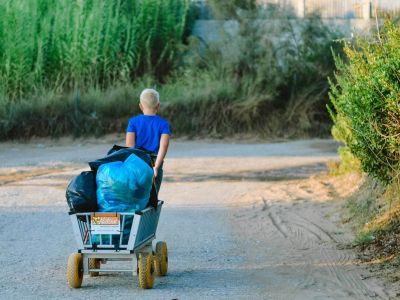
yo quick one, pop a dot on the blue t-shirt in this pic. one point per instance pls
(148, 131)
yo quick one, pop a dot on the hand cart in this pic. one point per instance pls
(103, 237)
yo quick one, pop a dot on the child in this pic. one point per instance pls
(149, 131)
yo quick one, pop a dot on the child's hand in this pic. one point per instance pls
(155, 169)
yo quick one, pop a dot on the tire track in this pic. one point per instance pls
(276, 225)
(330, 268)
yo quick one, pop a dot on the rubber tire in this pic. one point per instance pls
(146, 270)
(75, 270)
(94, 263)
(161, 258)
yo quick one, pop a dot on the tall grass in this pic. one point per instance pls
(81, 67)
(61, 45)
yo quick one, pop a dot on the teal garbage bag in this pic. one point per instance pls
(124, 186)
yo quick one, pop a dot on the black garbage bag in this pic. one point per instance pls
(81, 193)
(119, 153)
(116, 148)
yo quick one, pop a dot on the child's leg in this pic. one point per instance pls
(159, 177)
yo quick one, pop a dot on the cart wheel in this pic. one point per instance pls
(75, 270)
(161, 258)
(94, 263)
(146, 270)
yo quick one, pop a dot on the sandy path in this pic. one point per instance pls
(242, 221)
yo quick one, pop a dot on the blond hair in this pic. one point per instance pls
(149, 98)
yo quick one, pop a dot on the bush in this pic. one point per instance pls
(365, 98)
(271, 68)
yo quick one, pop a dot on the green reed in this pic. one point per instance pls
(63, 45)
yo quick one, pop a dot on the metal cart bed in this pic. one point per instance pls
(103, 237)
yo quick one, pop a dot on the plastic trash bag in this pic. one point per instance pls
(124, 186)
(81, 193)
(119, 153)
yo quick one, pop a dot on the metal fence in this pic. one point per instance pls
(328, 9)
(352, 9)
(347, 9)
(386, 8)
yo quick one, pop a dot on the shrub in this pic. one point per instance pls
(272, 67)
(365, 98)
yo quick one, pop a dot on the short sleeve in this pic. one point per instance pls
(165, 128)
(131, 126)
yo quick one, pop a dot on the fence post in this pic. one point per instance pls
(301, 8)
(366, 10)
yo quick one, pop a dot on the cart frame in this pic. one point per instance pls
(142, 232)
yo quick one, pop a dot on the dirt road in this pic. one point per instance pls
(242, 221)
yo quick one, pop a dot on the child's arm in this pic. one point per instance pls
(130, 140)
(164, 143)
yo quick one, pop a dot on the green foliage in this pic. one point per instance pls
(365, 98)
(267, 74)
(232, 9)
(364, 238)
(60, 45)
(272, 68)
